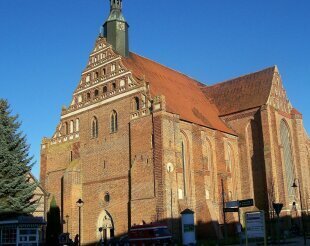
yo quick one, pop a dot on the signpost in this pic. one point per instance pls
(246, 203)
(234, 207)
(232, 204)
(278, 207)
(255, 226)
(231, 210)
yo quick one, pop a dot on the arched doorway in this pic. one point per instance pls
(105, 226)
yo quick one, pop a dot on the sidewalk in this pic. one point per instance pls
(297, 241)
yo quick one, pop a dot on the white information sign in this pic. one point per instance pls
(255, 225)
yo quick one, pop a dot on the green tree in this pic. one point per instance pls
(16, 192)
(53, 228)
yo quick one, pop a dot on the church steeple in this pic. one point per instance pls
(116, 29)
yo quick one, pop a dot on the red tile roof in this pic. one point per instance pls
(183, 94)
(246, 92)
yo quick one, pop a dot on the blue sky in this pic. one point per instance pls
(45, 46)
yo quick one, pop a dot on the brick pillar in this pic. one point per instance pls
(300, 157)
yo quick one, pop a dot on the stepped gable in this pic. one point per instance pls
(182, 93)
(295, 112)
(246, 92)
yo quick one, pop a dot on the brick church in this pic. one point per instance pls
(141, 142)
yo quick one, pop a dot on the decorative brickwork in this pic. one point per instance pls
(140, 143)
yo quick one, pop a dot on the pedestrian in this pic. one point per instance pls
(239, 232)
(76, 240)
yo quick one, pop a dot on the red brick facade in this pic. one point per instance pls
(134, 153)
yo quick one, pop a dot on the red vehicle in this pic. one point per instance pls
(150, 234)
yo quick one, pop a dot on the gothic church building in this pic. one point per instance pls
(142, 142)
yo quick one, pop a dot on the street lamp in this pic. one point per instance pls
(301, 209)
(80, 204)
(67, 217)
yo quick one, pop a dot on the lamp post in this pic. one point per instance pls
(301, 208)
(224, 214)
(67, 217)
(80, 204)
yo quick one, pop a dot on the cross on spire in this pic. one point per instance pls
(116, 4)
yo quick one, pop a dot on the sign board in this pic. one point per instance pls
(64, 238)
(246, 203)
(277, 207)
(189, 227)
(232, 204)
(255, 225)
(231, 210)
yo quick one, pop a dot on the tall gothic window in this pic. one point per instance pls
(230, 158)
(185, 164)
(288, 158)
(94, 128)
(113, 124)
(208, 156)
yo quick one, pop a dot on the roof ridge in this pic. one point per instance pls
(183, 94)
(187, 76)
(274, 67)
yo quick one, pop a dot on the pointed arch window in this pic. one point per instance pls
(113, 121)
(94, 128)
(185, 164)
(287, 158)
(208, 156)
(230, 158)
(105, 89)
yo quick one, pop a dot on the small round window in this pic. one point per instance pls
(107, 197)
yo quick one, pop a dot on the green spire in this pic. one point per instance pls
(116, 28)
(116, 11)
